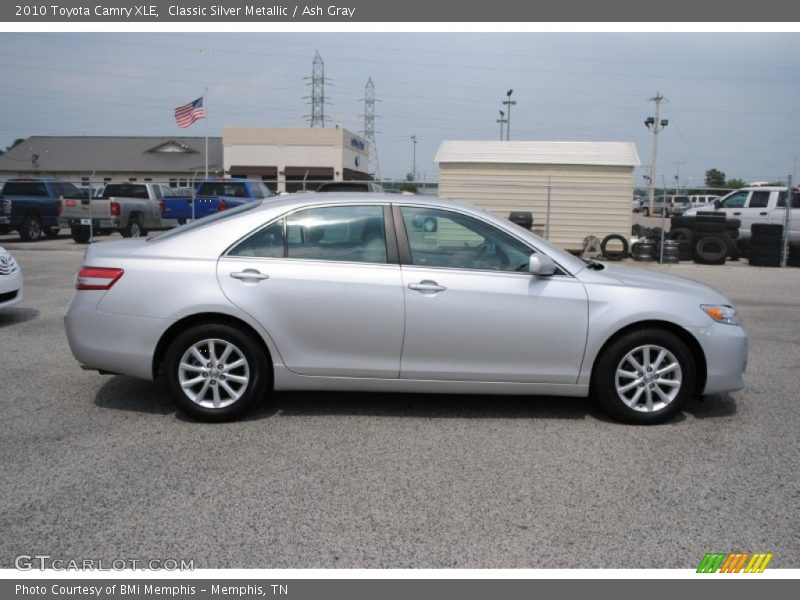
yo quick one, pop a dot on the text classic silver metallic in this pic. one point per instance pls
(394, 293)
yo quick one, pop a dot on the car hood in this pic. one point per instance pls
(652, 280)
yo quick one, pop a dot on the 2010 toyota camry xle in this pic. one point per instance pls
(391, 293)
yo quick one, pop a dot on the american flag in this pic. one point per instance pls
(189, 113)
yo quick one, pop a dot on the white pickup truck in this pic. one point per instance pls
(758, 204)
(130, 208)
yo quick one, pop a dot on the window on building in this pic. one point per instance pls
(173, 182)
(106, 179)
(148, 179)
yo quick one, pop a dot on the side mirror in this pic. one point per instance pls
(717, 203)
(541, 265)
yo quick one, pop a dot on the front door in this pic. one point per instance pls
(474, 313)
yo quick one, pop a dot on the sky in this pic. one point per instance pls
(732, 99)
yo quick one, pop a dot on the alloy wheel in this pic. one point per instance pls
(213, 373)
(648, 378)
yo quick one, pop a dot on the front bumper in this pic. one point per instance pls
(10, 289)
(725, 348)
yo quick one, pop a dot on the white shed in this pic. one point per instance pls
(589, 184)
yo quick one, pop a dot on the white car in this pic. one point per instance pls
(703, 201)
(10, 279)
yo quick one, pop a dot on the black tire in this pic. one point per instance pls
(681, 222)
(259, 376)
(31, 229)
(762, 243)
(765, 261)
(134, 228)
(636, 229)
(744, 247)
(733, 233)
(709, 226)
(733, 250)
(52, 231)
(766, 230)
(710, 250)
(733, 223)
(711, 213)
(611, 254)
(80, 234)
(604, 388)
(681, 234)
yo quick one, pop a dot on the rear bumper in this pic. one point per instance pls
(5, 221)
(105, 223)
(725, 348)
(106, 342)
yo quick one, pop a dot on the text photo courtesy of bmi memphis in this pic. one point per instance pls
(398, 302)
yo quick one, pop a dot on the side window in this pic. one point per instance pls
(735, 200)
(338, 233)
(442, 238)
(795, 200)
(157, 192)
(759, 199)
(265, 243)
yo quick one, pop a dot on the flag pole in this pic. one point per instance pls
(205, 106)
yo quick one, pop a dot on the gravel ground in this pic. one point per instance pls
(102, 466)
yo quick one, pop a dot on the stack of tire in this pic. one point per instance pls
(709, 238)
(765, 245)
(648, 247)
(793, 259)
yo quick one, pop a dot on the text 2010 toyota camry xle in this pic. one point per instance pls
(394, 294)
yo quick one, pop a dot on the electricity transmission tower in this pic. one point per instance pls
(317, 98)
(369, 126)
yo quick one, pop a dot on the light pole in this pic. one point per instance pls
(657, 125)
(414, 157)
(509, 103)
(502, 120)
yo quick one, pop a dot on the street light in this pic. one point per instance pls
(502, 120)
(414, 158)
(509, 103)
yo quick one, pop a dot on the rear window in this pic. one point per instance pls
(25, 188)
(126, 190)
(232, 189)
(218, 216)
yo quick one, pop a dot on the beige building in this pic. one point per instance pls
(293, 159)
(589, 184)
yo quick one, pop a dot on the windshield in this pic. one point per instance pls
(218, 216)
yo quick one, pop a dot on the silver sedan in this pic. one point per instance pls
(375, 292)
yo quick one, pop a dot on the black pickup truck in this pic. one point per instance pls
(31, 206)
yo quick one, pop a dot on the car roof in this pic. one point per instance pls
(313, 198)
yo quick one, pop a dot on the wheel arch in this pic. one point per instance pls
(197, 319)
(685, 336)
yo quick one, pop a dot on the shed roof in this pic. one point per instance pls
(551, 153)
(104, 154)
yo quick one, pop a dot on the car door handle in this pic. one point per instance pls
(249, 275)
(737, 213)
(763, 214)
(426, 286)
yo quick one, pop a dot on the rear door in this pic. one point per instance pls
(756, 210)
(325, 283)
(778, 214)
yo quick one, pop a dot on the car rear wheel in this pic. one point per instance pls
(31, 229)
(644, 377)
(216, 372)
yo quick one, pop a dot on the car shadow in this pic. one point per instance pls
(433, 406)
(14, 315)
(136, 395)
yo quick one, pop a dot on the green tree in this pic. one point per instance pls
(10, 146)
(715, 178)
(735, 184)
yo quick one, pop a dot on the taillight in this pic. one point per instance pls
(71, 202)
(161, 206)
(96, 278)
(115, 209)
(222, 205)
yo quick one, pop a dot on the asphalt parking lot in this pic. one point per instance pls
(100, 466)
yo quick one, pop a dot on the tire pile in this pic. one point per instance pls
(765, 245)
(707, 239)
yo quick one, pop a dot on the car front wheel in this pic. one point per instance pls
(644, 377)
(216, 372)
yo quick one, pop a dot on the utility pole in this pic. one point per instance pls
(318, 102)
(502, 120)
(414, 158)
(509, 103)
(677, 174)
(369, 125)
(658, 125)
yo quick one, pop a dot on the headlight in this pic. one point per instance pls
(721, 313)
